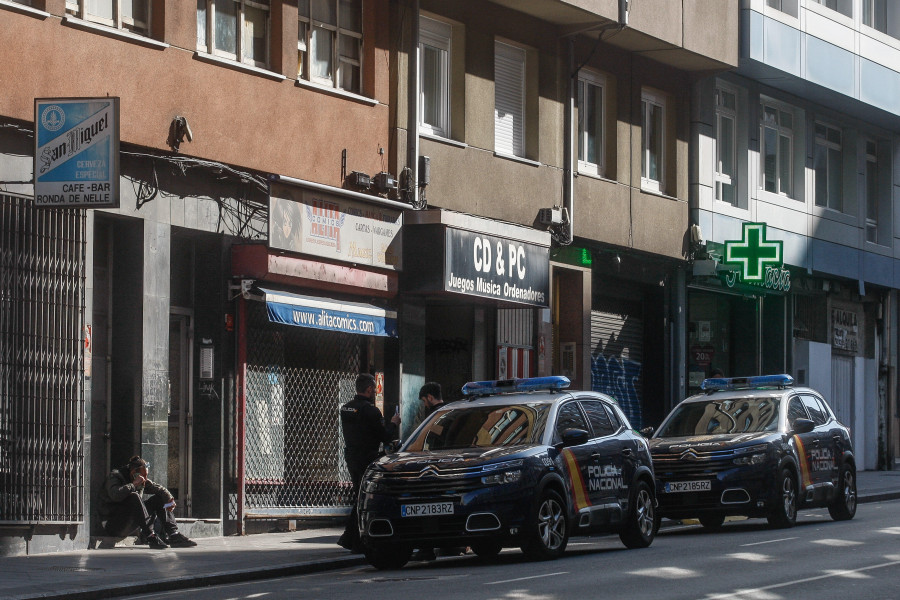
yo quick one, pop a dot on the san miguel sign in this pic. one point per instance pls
(757, 260)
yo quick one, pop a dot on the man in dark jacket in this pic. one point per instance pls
(364, 430)
(430, 395)
(123, 509)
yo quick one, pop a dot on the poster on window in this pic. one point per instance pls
(845, 330)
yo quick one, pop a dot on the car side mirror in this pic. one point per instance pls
(647, 432)
(574, 437)
(803, 425)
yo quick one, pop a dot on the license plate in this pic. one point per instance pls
(688, 486)
(426, 510)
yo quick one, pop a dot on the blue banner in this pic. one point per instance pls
(330, 315)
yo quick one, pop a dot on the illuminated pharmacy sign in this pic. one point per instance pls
(758, 261)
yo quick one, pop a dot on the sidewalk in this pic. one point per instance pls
(111, 573)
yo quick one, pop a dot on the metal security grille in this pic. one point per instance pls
(297, 379)
(41, 393)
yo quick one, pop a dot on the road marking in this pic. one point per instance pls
(836, 543)
(891, 530)
(757, 592)
(666, 573)
(769, 542)
(751, 557)
(524, 578)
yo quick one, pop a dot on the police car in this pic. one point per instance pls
(753, 446)
(520, 462)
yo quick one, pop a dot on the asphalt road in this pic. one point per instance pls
(818, 559)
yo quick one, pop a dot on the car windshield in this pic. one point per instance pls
(735, 415)
(483, 427)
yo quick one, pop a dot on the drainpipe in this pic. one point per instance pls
(568, 137)
(412, 109)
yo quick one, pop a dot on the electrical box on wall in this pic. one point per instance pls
(207, 359)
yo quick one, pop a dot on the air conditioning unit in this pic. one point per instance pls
(567, 360)
(385, 182)
(550, 216)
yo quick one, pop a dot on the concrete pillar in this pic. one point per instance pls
(412, 362)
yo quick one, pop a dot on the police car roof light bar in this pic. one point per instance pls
(740, 383)
(527, 384)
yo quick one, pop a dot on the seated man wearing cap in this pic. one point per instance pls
(124, 510)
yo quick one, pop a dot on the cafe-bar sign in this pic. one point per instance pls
(758, 260)
(493, 267)
(76, 152)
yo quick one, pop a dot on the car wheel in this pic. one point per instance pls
(640, 527)
(784, 514)
(548, 528)
(487, 549)
(712, 522)
(843, 507)
(387, 557)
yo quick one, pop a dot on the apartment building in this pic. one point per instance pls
(307, 189)
(796, 155)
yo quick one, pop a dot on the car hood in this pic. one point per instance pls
(708, 442)
(459, 458)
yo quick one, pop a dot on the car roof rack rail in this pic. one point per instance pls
(552, 383)
(716, 384)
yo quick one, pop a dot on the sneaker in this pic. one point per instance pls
(155, 543)
(179, 540)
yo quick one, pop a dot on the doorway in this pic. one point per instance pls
(181, 408)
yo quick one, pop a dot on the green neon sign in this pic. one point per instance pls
(754, 253)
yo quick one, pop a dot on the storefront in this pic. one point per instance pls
(315, 308)
(473, 289)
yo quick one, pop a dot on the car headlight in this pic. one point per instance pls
(504, 477)
(372, 485)
(508, 464)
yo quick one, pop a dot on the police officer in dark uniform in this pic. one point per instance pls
(364, 430)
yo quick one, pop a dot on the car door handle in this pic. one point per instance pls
(837, 439)
(596, 456)
(816, 443)
(626, 452)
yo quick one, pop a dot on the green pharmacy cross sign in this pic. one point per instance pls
(754, 253)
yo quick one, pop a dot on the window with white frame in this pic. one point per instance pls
(234, 29)
(591, 115)
(653, 119)
(509, 99)
(845, 7)
(434, 76)
(726, 155)
(329, 43)
(132, 15)
(828, 167)
(776, 148)
(785, 6)
(882, 15)
(871, 191)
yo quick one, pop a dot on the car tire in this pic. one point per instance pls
(784, 513)
(712, 522)
(486, 549)
(843, 506)
(548, 528)
(387, 557)
(641, 525)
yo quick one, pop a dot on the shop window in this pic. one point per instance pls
(828, 167)
(329, 43)
(132, 15)
(845, 7)
(434, 76)
(234, 29)
(591, 115)
(509, 100)
(726, 155)
(785, 6)
(777, 148)
(653, 119)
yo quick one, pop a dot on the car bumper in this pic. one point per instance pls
(738, 491)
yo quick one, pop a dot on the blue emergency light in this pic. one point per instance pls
(740, 383)
(505, 386)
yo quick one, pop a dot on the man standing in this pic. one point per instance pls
(430, 395)
(364, 429)
(123, 509)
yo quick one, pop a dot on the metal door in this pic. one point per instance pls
(842, 384)
(180, 408)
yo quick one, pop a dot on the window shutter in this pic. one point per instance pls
(509, 99)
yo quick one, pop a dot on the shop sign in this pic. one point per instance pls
(759, 261)
(330, 226)
(702, 355)
(76, 152)
(483, 265)
(844, 330)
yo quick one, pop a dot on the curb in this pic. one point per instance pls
(199, 581)
(878, 497)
